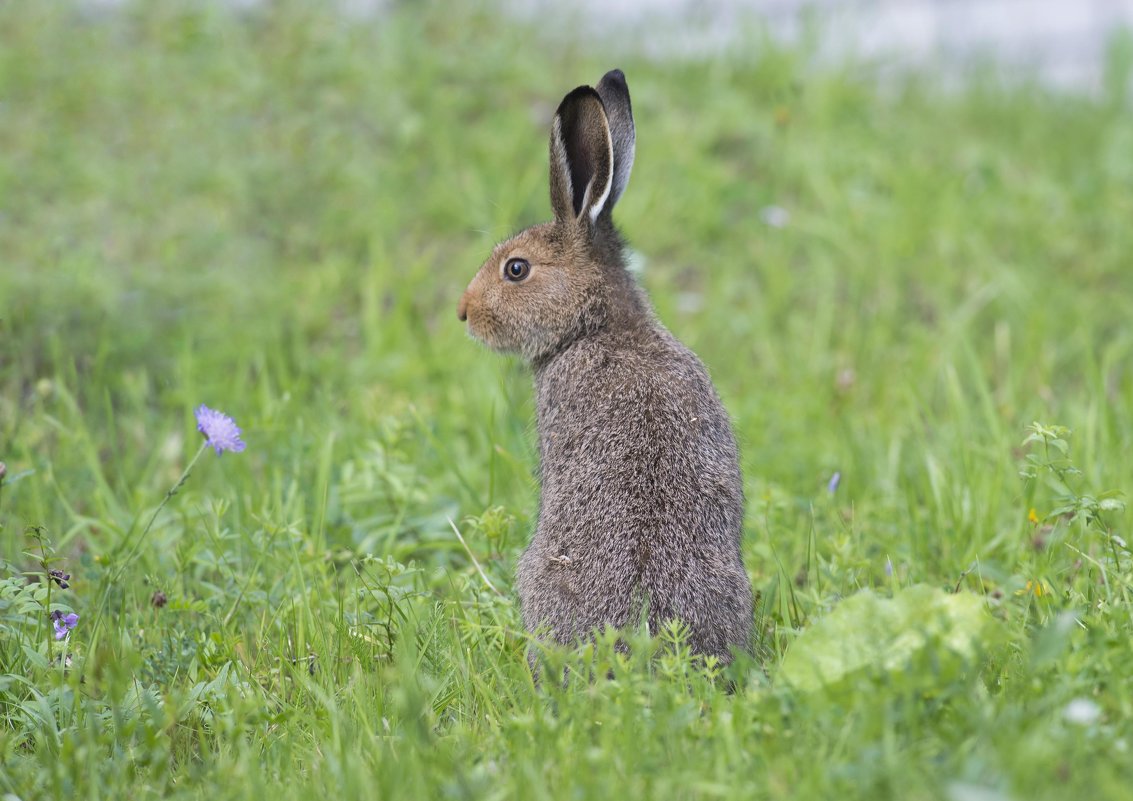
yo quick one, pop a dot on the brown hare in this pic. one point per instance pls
(641, 498)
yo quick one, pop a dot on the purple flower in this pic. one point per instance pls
(220, 430)
(835, 480)
(63, 623)
(60, 578)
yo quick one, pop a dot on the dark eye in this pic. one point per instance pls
(516, 269)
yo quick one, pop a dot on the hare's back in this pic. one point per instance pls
(639, 431)
(641, 498)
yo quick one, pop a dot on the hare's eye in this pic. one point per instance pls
(516, 269)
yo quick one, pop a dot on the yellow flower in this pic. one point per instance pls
(1031, 516)
(1036, 588)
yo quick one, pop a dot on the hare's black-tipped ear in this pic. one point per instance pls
(619, 113)
(582, 157)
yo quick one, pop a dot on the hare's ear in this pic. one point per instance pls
(582, 157)
(615, 98)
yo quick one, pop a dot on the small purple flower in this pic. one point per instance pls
(60, 578)
(832, 484)
(220, 430)
(63, 623)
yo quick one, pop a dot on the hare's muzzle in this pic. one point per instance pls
(462, 308)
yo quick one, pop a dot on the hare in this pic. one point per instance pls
(641, 497)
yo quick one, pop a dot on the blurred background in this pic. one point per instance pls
(275, 205)
(1063, 43)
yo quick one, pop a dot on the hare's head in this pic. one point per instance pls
(554, 282)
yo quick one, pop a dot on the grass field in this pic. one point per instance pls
(275, 213)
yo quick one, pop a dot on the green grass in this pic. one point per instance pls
(274, 214)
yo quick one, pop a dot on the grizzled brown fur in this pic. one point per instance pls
(642, 501)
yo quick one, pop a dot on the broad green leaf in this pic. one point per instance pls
(878, 637)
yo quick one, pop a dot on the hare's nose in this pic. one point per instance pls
(462, 308)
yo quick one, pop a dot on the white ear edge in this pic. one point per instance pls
(600, 204)
(561, 157)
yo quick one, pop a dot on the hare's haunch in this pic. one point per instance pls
(642, 502)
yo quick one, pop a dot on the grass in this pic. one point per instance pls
(274, 213)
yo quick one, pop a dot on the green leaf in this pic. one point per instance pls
(36, 658)
(1050, 642)
(870, 636)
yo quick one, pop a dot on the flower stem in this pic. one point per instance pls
(124, 563)
(133, 549)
